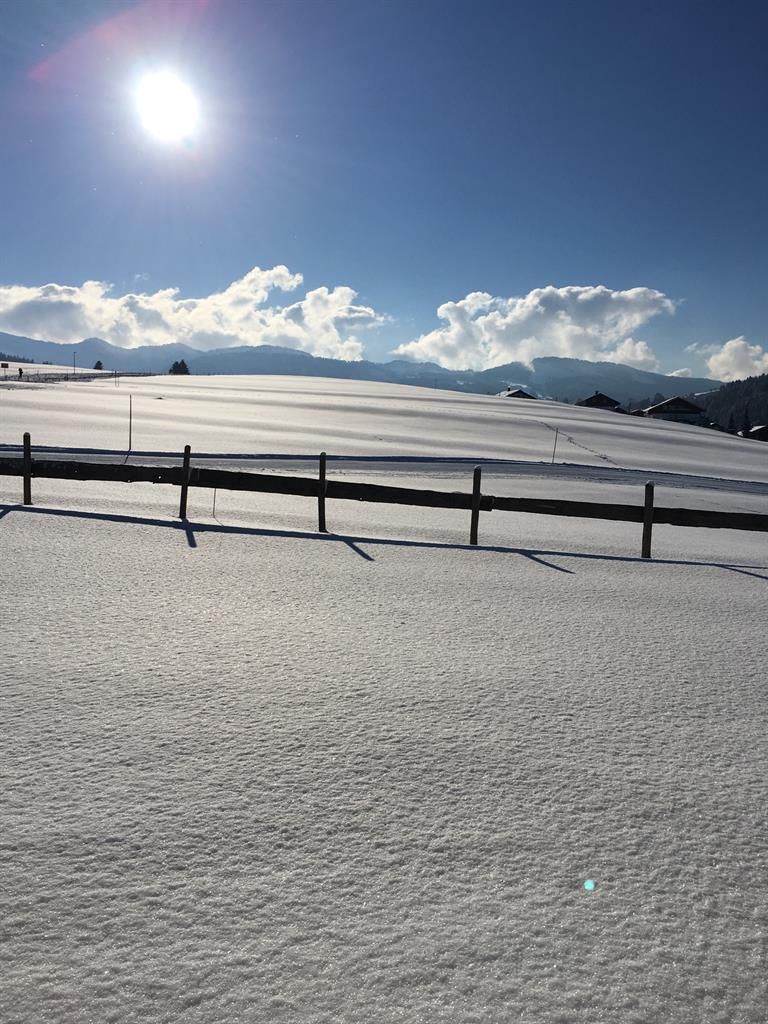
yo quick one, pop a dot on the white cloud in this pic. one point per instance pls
(698, 348)
(633, 353)
(323, 322)
(737, 359)
(682, 372)
(582, 322)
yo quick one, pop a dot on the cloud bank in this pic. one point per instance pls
(323, 322)
(478, 331)
(592, 322)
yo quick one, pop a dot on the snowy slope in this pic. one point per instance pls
(255, 774)
(298, 415)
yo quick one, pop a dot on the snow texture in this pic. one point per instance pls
(251, 773)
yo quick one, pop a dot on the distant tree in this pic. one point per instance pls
(179, 367)
(658, 397)
(746, 423)
(731, 428)
(98, 365)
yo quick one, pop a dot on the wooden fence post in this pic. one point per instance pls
(185, 485)
(647, 521)
(322, 489)
(554, 446)
(27, 469)
(475, 505)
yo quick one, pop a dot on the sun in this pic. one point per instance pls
(167, 106)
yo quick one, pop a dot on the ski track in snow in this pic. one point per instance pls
(252, 773)
(578, 444)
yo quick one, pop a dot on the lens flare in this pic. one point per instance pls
(167, 107)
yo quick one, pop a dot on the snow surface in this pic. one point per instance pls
(297, 415)
(251, 773)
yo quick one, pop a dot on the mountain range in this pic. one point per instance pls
(550, 376)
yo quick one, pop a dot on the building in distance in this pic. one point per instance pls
(518, 393)
(677, 410)
(599, 401)
(756, 433)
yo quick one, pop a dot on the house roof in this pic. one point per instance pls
(677, 404)
(519, 393)
(599, 400)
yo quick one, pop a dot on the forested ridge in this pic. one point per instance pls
(740, 404)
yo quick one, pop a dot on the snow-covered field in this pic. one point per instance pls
(251, 773)
(298, 415)
(31, 371)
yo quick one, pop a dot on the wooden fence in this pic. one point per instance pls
(321, 488)
(37, 374)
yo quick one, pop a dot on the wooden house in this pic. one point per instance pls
(599, 401)
(757, 433)
(677, 410)
(519, 393)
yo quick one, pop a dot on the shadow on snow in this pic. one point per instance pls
(190, 531)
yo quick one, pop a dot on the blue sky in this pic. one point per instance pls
(398, 157)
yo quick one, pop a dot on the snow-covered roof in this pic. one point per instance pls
(677, 404)
(518, 393)
(599, 400)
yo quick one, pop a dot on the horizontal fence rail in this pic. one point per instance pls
(635, 513)
(233, 480)
(321, 488)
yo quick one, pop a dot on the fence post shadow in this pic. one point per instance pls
(537, 555)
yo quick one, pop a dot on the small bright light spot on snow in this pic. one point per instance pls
(589, 885)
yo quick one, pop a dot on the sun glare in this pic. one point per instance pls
(167, 107)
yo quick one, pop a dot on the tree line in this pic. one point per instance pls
(6, 358)
(740, 405)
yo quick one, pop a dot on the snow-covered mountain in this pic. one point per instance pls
(569, 379)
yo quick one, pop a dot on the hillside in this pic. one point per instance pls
(299, 415)
(567, 379)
